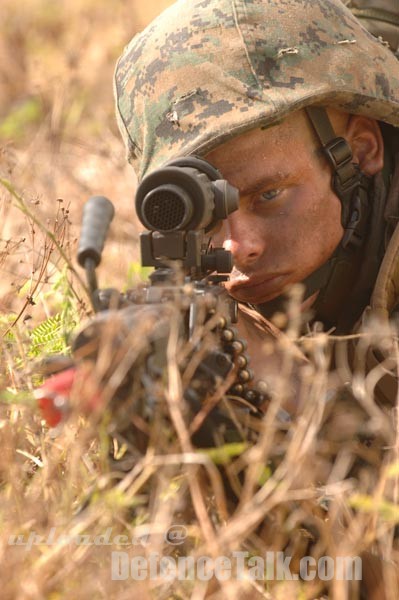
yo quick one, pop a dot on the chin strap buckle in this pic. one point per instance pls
(346, 179)
(350, 229)
(339, 153)
(346, 183)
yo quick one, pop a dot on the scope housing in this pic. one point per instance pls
(186, 194)
(178, 204)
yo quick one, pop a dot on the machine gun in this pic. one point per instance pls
(131, 334)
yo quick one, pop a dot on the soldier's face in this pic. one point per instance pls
(289, 220)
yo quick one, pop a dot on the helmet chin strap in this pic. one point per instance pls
(335, 277)
(346, 178)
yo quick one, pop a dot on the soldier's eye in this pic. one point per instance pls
(269, 195)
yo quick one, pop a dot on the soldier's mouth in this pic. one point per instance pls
(256, 290)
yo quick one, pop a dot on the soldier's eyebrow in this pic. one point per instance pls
(263, 181)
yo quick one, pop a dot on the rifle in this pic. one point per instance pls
(180, 205)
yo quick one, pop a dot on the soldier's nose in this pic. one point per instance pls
(241, 238)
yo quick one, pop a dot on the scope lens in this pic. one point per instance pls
(166, 208)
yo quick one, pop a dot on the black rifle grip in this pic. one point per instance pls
(98, 213)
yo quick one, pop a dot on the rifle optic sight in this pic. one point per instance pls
(185, 194)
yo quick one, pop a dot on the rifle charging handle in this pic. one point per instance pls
(98, 213)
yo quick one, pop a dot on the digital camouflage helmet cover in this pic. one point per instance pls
(207, 70)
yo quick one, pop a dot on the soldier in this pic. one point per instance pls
(297, 105)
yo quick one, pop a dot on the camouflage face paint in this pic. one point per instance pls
(207, 70)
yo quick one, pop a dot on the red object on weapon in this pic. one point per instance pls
(54, 395)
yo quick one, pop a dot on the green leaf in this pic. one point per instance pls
(265, 475)
(367, 504)
(393, 470)
(224, 454)
(20, 117)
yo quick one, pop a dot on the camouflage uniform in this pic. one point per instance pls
(206, 71)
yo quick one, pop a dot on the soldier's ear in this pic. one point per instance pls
(365, 138)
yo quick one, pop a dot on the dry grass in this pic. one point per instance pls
(317, 486)
(59, 144)
(58, 135)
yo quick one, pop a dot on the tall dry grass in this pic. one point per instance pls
(319, 485)
(58, 135)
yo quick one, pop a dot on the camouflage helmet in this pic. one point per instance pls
(207, 70)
